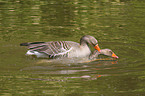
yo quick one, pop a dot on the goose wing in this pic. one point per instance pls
(53, 48)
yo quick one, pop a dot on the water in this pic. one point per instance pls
(117, 25)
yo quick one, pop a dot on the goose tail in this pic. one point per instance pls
(27, 44)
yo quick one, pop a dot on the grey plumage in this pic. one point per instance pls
(54, 49)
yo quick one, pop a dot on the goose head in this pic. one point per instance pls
(107, 52)
(87, 39)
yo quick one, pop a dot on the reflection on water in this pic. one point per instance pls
(117, 25)
(86, 71)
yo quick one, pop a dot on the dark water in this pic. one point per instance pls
(117, 25)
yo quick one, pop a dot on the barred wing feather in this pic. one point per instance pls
(53, 48)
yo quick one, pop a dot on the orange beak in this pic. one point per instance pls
(115, 56)
(97, 48)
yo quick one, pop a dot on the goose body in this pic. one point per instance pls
(57, 49)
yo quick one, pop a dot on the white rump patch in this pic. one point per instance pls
(39, 55)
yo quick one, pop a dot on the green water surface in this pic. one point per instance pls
(117, 24)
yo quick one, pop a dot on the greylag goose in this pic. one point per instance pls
(57, 49)
(107, 52)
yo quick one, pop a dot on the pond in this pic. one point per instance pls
(116, 24)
